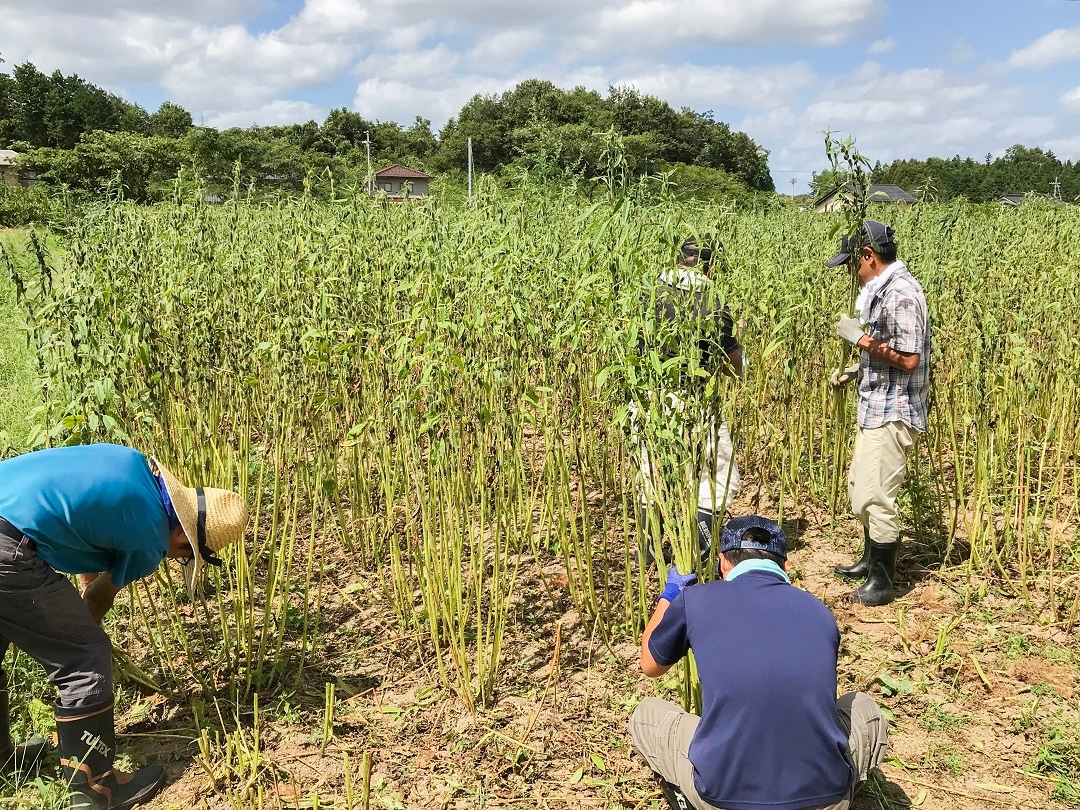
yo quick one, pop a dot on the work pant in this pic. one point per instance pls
(661, 732)
(715, 475)
(878, 469)
(43, 615)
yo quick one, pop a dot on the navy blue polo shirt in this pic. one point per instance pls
(769, 736)
(90, 508)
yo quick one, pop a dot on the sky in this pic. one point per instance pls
(904, 78)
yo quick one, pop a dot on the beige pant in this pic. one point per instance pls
(716, 474)
(878, 469)
(662, 731)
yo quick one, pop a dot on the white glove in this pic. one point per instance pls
(849, 329)
(841, 377)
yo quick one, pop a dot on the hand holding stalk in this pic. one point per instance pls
(676, 582)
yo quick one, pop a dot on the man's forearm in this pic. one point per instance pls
(99, 596)
(905, 361)
(648, 663)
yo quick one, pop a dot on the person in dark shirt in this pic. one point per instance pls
(687, 320)
(109, 515)
(772, 734)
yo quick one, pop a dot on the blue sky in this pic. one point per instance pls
(906, 78)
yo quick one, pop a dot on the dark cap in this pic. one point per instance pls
(875, 235)
(756, 532)
(703, 251)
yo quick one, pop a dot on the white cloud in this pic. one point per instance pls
(427, 68)
(883, 46)
(1071, 99)
(709, 87)
(393, 100)
(736, 22)
(961, 51)
(1062, 45)
(505, 48)
(276, 112)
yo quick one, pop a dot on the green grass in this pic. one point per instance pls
(17, 381)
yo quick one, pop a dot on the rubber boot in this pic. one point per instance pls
(16, 760)
(705, 523)
(861, 567)
(650, 529)
(676, 799)
(87, 745)
(878, 588)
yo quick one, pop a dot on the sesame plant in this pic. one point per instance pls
(434, 399)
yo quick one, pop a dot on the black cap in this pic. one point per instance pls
(874, 235)
(702, 251)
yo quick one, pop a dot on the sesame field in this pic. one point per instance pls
(438, 602)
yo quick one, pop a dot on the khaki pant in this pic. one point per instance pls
(716, 475)
(662, 731)
(878, 469)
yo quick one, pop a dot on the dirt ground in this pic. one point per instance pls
(982, 698)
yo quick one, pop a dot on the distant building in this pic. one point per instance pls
(1015, 199)
(11, 173)
(400, 181)
(877, 193)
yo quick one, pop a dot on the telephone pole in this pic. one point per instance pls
(367, 176)
(1055, 189)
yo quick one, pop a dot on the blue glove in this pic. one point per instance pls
(676, 582)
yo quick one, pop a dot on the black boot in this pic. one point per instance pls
(650, 530)
(16, 760)
(676, 799)
(87, 745)
(878, 588)
(861, 567)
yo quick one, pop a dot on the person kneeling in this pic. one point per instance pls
(772, 732)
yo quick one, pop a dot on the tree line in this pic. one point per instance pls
(1021, 170)
(73, 134)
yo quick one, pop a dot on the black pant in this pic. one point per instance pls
(43, 615)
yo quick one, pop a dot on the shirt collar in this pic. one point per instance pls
(872, 287)
(756, 565)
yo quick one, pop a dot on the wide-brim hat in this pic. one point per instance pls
(212, 519)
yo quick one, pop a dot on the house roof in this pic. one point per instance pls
(886, 192)
(7, 157)
(403, 172)
(878, 192)
(1016, 199)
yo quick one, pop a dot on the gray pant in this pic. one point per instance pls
(42, 614)
(662, 732)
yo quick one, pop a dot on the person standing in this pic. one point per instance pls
(772, 733)
(688, 319)
(110, 515)
(893, 389)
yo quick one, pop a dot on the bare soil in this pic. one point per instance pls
(975, 690)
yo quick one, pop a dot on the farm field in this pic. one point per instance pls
(438, 602)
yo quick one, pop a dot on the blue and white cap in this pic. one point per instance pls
(756, 532)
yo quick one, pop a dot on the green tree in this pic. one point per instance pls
(170, 121)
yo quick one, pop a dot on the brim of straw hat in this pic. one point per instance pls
(221, 514)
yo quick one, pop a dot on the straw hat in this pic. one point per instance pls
(211, 518)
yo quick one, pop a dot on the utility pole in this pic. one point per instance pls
(367, 176)
(470, 171)
(1055, 189)
(793, 189)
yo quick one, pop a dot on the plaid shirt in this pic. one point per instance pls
(899, 317)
